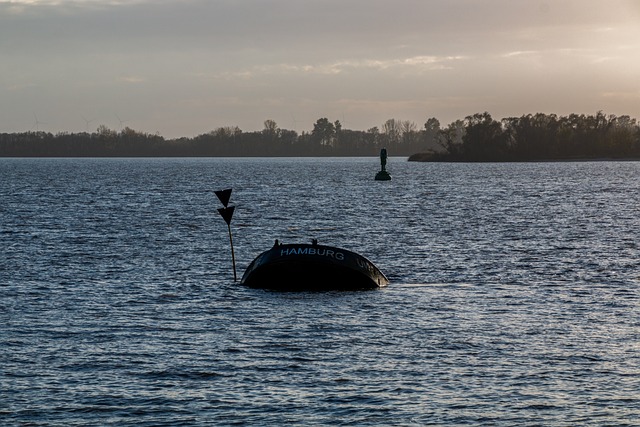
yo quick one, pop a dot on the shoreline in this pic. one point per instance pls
(428, 158)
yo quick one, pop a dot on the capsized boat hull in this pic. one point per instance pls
(312, 267)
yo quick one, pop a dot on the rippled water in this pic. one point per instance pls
(514, 299)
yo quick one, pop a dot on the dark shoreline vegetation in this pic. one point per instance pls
(477, 138)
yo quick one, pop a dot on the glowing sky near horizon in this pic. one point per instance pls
(183, 68)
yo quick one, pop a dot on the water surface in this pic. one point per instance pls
(514, 298)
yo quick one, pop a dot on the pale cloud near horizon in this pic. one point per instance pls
(182, 68)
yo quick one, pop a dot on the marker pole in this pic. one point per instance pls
(227, 213)
(233, 255)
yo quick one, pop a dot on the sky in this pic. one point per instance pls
(184, 68)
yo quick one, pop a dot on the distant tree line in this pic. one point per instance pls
(535, 137)
(476, 138)
(326, 139)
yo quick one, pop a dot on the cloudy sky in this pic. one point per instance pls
(183, 68)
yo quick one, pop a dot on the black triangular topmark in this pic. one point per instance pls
(227, 213)
(224, 196)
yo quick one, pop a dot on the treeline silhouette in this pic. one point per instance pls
(326, 139)
(536, 137)
(476, 138)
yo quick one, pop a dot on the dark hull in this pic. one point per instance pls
(307, 267)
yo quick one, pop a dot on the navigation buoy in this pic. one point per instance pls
(312, 267)
(382, 174)
(304, 267)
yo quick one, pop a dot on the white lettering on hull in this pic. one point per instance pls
(313, 251)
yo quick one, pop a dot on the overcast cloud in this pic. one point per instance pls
(183, 68)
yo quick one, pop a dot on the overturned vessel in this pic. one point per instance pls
(312, 267)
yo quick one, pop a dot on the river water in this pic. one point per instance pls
(514, 295)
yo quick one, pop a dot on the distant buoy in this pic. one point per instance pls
(383, 175)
